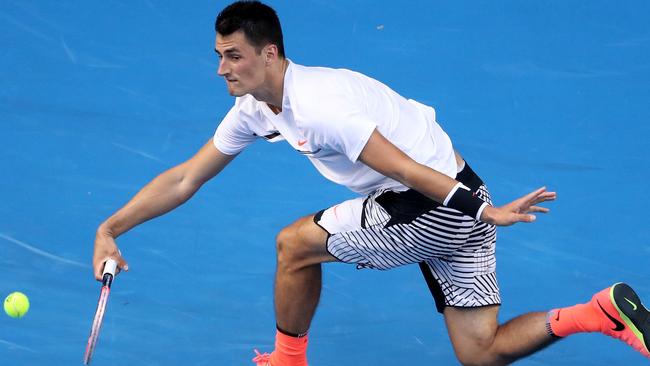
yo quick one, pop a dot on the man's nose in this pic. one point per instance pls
(222, 69)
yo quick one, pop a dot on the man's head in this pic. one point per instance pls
(249, 43)
(258, 22)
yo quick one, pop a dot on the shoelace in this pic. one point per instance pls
(262, 359)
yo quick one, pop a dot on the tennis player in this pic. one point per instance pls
(419, 201)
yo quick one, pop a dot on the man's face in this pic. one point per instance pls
(240, 64)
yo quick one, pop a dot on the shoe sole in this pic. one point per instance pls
(632, 311)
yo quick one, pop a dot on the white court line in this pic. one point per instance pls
(42, 252)
(26, 28)
(141, 153)
(11, 345)
(68, 51)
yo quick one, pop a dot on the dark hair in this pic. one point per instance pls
(258, 21)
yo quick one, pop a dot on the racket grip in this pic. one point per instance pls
(109, 267)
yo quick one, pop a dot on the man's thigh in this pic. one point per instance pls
(471, 329)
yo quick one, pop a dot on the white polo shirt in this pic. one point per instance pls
(328, 116)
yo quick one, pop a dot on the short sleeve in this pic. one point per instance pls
(232, 134)
(347, 134)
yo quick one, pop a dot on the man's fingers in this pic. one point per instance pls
(526, 218)
(534, 194)
(522, 209)
(122, 265)
(532, 197)
(550, 195)
(545, 196)
(99, 268)
(98, 273)
(538, 209)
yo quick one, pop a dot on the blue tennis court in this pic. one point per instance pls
(97, 98)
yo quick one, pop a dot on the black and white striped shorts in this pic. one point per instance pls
(390, 228)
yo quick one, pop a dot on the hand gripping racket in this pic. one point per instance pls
(109, 272)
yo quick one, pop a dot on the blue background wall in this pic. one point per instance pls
(97, 98)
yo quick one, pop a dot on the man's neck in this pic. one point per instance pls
(272, 95)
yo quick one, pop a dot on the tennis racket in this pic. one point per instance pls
(109, 272)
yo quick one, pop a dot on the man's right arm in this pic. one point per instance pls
(164, 193)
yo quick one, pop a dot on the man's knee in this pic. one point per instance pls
(473, 334)
(481, 352)
(299, 245)
(476, 357)
(287, 244)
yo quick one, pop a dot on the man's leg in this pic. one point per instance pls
(478, 339)
(616, 311)
(301, 247)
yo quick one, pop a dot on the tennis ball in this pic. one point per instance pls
(16, 305)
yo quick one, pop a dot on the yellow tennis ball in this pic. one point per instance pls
(16, 305)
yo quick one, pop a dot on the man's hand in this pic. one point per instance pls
(518, 210)
(105, 249)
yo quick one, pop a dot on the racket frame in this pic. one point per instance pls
(107, 279)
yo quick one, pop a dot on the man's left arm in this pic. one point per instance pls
(384, 157)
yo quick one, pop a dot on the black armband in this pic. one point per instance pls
(462, 199)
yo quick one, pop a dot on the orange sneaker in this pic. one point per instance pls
(262, 359)
(624, 316)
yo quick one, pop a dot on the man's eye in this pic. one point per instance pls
(235, 57)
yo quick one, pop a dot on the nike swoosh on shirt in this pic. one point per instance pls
(619, 326)
(301, 142)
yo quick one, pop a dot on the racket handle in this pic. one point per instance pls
(109, 267)
(109, 272)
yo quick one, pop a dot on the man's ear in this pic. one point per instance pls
(270, 53)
